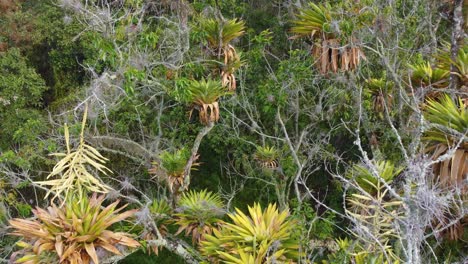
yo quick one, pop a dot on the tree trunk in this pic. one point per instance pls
(457, 41)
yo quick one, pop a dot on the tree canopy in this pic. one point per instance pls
(206, 131)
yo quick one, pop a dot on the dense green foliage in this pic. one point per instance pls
(236, 131)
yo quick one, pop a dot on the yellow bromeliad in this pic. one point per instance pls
(263, 236)
(72, 233)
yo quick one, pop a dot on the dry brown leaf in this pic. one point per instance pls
(324, 60)
(345, 60)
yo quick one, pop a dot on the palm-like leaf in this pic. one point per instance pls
(73, 172)
(364, 177)
(160, 209)
(205, 91)
(72, 232)
(258, 238)
(314, 22)
(198, 214)
(267, 156)
(461, 61)
(172, 166)
(372, 209)
(449, 127)
(380, 91)
(173, 163)
(450, 120)
(205, 94)
(311, 21)
(220, 33)
(161, 214)
(424, 74)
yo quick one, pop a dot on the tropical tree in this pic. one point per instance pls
(21, 93)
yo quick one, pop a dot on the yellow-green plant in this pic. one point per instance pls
(364, 257)
(172, 167)
(261, 237)
(311, 21)
(377, 215)
(198, 214)
(267, 157)
(364, 177)
(353, 252)
(448, 128)
(72, 233)
(219, 35)
(424, 74)
(204, 95)
(314, 22)
(460, 62)
(380, 92)
(373, 210)
(72, 170)
(161, 214)
(449, 125)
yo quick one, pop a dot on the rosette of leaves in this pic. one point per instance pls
(314, 22)
(72, 169)
(424, 74)
(311, 21)
(447, 132)
(267, 157)
(460, 62)
(448, 127)
(172, 165)
(161, 214)
(219, 35)
(204, 95)
(366, 180)
(352, 252)
(380, 91)
(72, 233)
(262, 236)
(198, 214)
